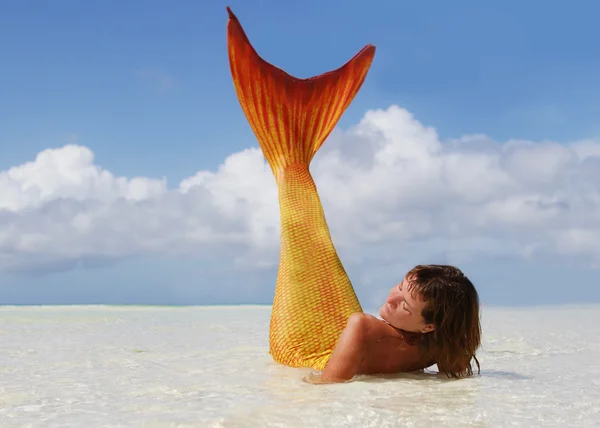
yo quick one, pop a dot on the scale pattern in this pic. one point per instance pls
(291, 119)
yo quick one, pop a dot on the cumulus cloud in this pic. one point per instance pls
(389, 186)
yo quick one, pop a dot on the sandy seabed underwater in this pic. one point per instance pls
(103, 366)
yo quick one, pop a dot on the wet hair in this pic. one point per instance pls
(452, 306)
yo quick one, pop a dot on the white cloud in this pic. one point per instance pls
(69, 173)
(388, 185)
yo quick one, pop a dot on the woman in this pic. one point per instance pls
(317, 320)
(431, 317)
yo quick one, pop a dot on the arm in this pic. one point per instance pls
(349, 356)
(369, 346)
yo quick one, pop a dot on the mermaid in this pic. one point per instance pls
(430, 317)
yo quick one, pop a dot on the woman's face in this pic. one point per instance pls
(403, 311)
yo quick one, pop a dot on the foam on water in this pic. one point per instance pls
(209, 367)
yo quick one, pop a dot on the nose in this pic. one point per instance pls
(393, 297)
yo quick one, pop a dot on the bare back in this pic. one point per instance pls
(369, 345)
(390, 350)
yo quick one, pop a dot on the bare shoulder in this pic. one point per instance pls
(387, 349)
(371, 325)
(369, 345)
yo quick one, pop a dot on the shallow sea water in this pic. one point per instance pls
(99, 366)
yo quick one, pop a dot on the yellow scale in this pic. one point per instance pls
(291, 119)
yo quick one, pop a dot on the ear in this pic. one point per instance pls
(427, 328)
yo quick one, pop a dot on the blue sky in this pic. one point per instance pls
(145, 87)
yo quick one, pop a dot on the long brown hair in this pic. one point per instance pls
(452, 306)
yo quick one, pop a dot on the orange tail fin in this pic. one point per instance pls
(290, 117)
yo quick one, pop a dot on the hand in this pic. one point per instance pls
(315, 379)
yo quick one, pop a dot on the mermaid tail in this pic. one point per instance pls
(291, 119)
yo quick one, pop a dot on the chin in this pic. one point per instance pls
(385, 316)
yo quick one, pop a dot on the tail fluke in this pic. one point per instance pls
(290, 117)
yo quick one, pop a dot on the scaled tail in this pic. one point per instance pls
(290, 117)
